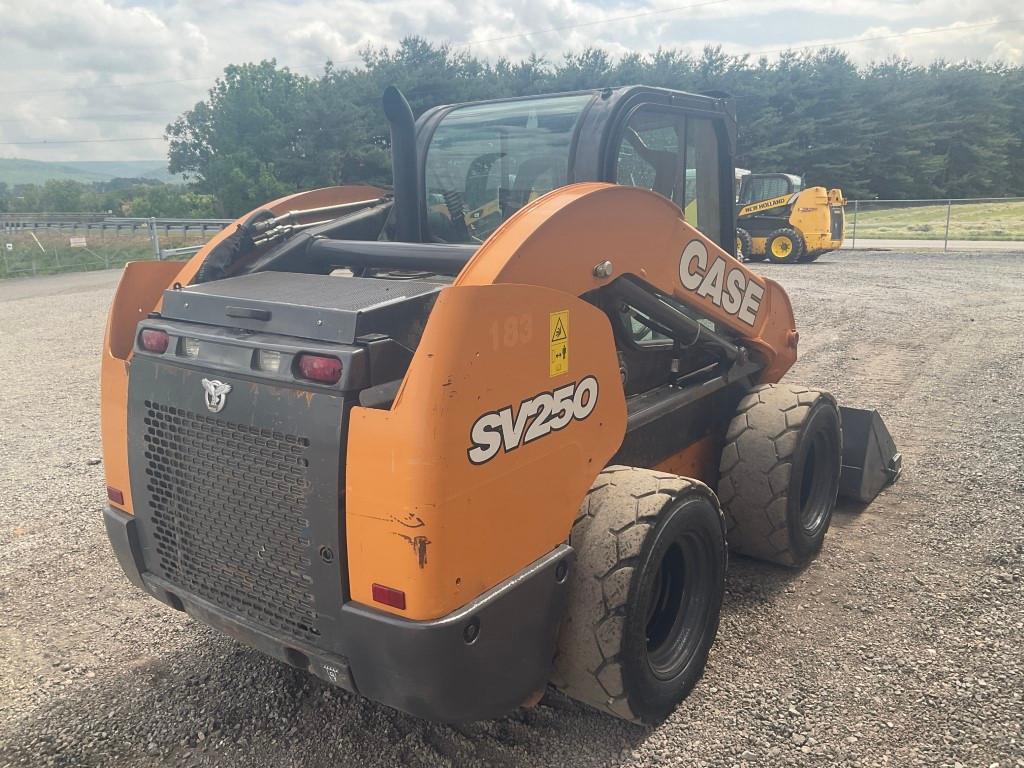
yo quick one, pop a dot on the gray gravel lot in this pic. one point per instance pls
(903, 644)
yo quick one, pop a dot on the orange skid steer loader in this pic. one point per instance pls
(447, 444)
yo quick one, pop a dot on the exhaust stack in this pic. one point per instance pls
(404, 168)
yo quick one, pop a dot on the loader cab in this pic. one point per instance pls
(754, 187)
(480, 163)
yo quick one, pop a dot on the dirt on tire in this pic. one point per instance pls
(617, 519)
(756, 482)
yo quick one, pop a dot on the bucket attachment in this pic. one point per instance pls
(870, 458)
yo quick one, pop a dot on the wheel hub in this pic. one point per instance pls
(677, 606)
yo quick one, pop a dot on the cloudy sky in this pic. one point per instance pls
(83, 76)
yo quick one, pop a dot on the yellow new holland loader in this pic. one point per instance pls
(493, 429)
(777, 220)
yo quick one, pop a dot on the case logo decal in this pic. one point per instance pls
(726, 285)
(216, 394)
(507, 429)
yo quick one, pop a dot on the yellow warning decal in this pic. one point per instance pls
(558, 326)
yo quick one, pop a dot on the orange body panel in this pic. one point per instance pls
(558, 239)
(141, 285)
(420, 515)
(139, 292)
(698, 460)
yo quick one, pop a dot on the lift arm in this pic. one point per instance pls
(563, 239)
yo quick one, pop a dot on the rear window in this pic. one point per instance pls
(487, 161)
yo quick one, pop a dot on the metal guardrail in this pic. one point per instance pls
(934, 220)
(68, 217)
(12, 222)
(62, 246)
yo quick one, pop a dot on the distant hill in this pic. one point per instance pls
(15, 171)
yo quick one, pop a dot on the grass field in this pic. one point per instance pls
(103, 250)
(967, 221)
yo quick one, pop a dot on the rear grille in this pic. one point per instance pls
(228, 507)
(837, 223)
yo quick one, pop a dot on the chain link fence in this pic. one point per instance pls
(41, 244)
(950, 223)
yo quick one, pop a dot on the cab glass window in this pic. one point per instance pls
(677, 157)
(651, 154)
(487, 161)
(763, 188)
(703, 207)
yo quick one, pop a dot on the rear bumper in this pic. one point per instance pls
(479, 662)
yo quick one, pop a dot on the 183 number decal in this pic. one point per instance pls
(507, 429)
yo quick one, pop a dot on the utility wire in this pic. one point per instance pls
(85, 118)
(81, 141)
(33, 91)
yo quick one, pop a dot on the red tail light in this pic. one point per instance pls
(389, 596)
(326, 370)
(115, 495)
(153, 340)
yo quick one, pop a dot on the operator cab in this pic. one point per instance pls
(481, 163)
(461, 171)
(754, 187)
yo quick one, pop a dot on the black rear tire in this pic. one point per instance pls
(784, 246)
(779, 472)
(744, 245)
(645, 595)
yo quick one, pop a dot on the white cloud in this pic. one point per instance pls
(66, 62)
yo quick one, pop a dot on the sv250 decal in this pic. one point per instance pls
(536, 417)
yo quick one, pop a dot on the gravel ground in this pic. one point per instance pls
(901, 645)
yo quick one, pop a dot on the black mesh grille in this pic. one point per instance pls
(836, 221)
(228, 515)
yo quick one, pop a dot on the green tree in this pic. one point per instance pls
(242, 145)
(61, 196)
(891, 129)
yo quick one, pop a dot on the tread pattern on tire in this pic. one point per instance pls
(621, 507)
(799, 246)
(755, 469)
(746, 242)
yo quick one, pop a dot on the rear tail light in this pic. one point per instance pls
(153, 340)
(115, 495)
(326, 370)
(389, 596)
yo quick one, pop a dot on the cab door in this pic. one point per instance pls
(677, 154)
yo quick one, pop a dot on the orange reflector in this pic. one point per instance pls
(115, 495)
(389, 596)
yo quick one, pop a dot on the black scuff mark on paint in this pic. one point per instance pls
(411, 520)
(419, 546)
